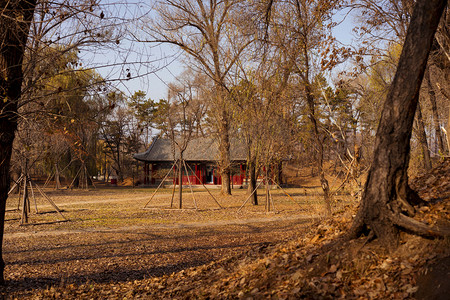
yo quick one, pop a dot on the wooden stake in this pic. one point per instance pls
(174, 184)
(20, 194)
(250, 196)
(205, 187)
(49, 178)
(180, 182)
(154, 193)
(15, 184)
(50, 201)
(289, 196)
(190, 185)
(24, 218)
(71, 184)
(32, 195)
(273, 203)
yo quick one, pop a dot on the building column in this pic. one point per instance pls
(146, 173)
(152, 178)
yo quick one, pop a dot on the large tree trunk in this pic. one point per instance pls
(8, 126)
(387, 195)
(13, 37)
(423, 139)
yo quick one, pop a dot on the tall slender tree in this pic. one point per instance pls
(308, 35)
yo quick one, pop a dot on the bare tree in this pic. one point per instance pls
(181, 118)
(262, 105)
(383, 26)
(15, 21)
(34, 36)
(210, 34)
(304, 37)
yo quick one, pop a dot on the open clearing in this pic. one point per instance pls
(111, 238)
(113, 249)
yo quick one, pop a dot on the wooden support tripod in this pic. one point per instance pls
(269, 198)
(84, 178)
(26, 184)
(181, 163)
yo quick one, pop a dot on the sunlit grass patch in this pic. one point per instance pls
(124, 207)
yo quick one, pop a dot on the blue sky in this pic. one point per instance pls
(160, 64)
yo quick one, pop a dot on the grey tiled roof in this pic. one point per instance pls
(198, 149)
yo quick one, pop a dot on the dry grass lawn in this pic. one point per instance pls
(110, 237)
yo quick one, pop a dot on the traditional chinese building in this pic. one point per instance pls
(201, 156)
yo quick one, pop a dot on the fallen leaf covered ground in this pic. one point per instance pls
(290, 255)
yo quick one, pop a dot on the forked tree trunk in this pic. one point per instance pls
(13, 37)
(387, 195)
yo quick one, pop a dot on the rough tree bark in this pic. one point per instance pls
(446, 132)
(423, 139)
(224, 162)
(15, 19)
(437, 127)
(387, 195)
(224, 150)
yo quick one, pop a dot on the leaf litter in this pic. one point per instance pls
(310, 263)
